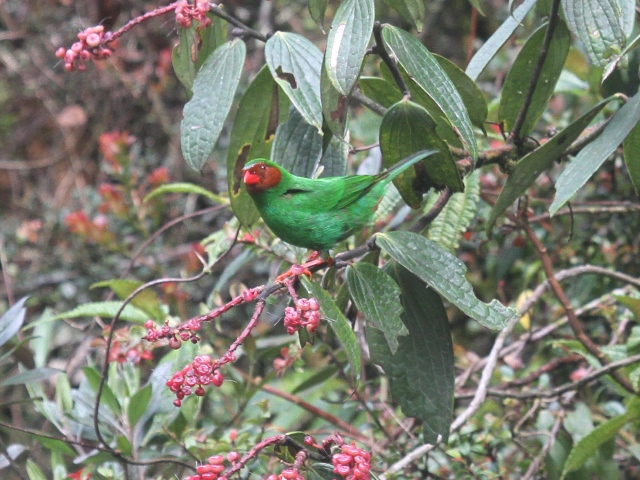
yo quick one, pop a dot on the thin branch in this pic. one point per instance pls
(388, 61)
(610, 368)
(535, 465)
(437, 207)
(375, 107)
(247, 31)
(576, 325)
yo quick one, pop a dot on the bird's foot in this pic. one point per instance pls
(315, 260)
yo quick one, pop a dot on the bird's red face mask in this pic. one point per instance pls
(260, 177)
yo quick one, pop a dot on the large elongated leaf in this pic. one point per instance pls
(471, 95)
(30, 376)
(295, 64)
(213, 90)
(347, 43)
(593, 155)
(105, 310)
(12, 320)
(445, 274)
(516, 85)
(631, 149)
(484, 55)
(405, 129)
(338, 322)
(421, 372)
(447, 228)
(334, 106)
(297, 145)
(378, 298)
(253, 131)
(600, 26)
(427, 72)
(536, 162)
(380, 90)
(147, 300)
(589, 444)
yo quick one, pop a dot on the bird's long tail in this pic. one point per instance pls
(402, 165)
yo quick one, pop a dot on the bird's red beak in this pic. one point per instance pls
(250, 178)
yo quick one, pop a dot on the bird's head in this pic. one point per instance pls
(261, 175)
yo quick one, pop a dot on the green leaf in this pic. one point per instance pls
(182, 58)
(516, 84)
(334, 106)
(347, 43)
(593, 155)
(489, 49)
(295, 64)
(12, 320)
(421, 372)
(338, 322)
(471, 95)
(147, 300)
(631, 303)
(213, 92)
(108, 398)
(317, 9)
(536, 162)
(317, 378)
(592, 441)
(447, 228)
(377, 296)
(631, 150)
(412, 11)
(214, 35)
(138, 405)
(445, 274)
(105, 310)
(30, 376)
(426, 71)
(254, 128)
(34, 472)
(184, 187)
(600, 26)
(297, 145)
(405, 129)
(380, 91)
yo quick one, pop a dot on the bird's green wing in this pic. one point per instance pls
(355, 187)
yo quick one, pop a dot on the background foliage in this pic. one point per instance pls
(490, 332)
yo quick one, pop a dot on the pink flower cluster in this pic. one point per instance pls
(353, 463)
(175, 335)
(305, 314)
(196, 375)
(214, 467)
(91, 45)
(288, 474)
(186, 14)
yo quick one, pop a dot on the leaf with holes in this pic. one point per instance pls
(295, 64)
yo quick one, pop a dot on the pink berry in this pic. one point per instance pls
(93, 39)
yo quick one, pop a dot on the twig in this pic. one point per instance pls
(375, 107)
(610, 368)
(247, 31)
(544, 50)
(437, 207)
(574, 322)
(384, 55)
(5, 274)
(409, 458)
(535, 465)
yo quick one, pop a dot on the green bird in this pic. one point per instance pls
(317, 213)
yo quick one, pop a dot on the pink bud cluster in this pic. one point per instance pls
(214, 467)
(196, 375)
(353, 463)
(305, 314)
(175, 335)
(186, 13)
(288, 474)
(91, 45)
